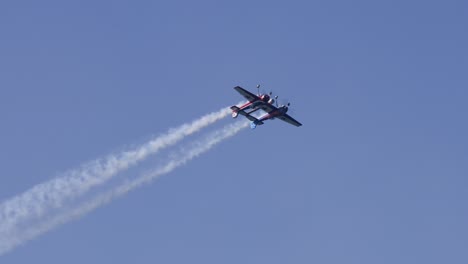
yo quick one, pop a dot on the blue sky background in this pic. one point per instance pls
(377, 174)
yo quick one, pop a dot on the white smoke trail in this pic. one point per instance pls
(52, 195)
(16, 237)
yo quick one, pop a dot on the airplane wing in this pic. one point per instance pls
(289, 119)
(248, 95)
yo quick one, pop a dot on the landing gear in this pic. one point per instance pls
(235, 114)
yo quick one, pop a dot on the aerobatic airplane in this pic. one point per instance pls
(256, 102)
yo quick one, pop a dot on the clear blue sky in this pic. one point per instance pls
(377, 174)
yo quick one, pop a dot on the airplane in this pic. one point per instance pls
(265, 103)
(254, 102)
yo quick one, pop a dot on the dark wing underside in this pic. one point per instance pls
(289, 119)
(248, 95)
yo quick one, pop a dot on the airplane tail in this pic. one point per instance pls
(235, 111)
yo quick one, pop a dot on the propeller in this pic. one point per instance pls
(258, 89)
